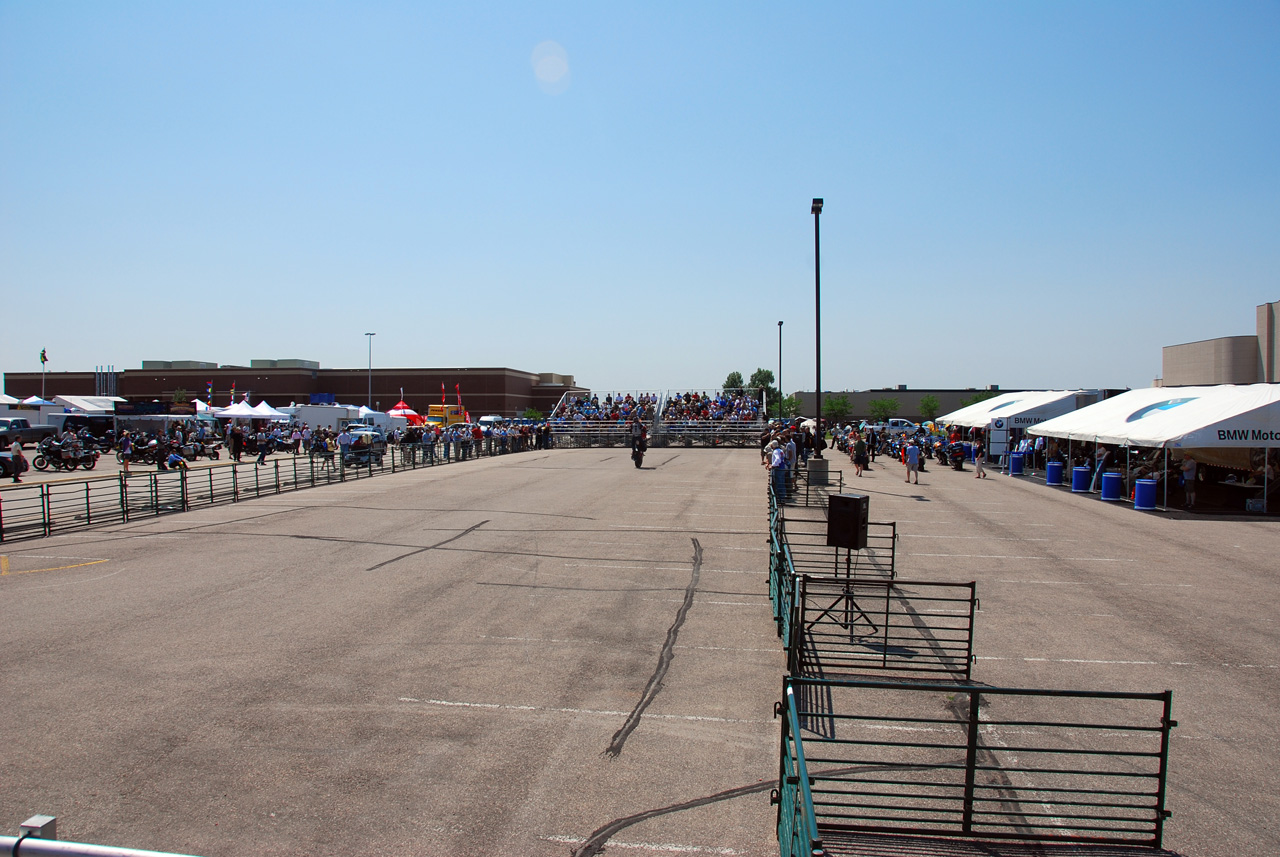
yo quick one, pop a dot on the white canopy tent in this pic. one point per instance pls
(1028, 407)
(238, 411)
(1179, 418)
(7, 400)
(263, 411)
(89, 404)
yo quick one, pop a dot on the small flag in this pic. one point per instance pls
(442, 399)
(209, 395)
(458, 389)
(44, 358)
(232, 400)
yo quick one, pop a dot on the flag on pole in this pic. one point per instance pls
(44, 357)
(232, 400)
(442, 399)
(209, 395)
(458, 389)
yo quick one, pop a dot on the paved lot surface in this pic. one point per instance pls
(514, 656)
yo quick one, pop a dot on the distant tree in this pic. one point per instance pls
(929, 406)
(978, 397)
(532, 414)
(762, 379)
(733, 381)
(883, 409)
(836, 409)
(791, 406)
(180, 396)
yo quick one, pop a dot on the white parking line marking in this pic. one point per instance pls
(648, 846)
(494, 706)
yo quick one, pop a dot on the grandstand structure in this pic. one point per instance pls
(673, 418)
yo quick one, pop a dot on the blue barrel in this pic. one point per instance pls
(968, 451)
(1112, 485)
(1080, 480)
(1053, 473)
(1015, 464)
(1144, 495)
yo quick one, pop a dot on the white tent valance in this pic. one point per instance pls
(1019, 410)
(1178, 417)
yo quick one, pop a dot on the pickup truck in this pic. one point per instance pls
(20, 428)
(895, 426)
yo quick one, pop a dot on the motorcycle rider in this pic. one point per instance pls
(637, 432)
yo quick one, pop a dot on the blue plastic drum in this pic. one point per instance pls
(1144, 495)
(1053, 473)
(1080, 480)
(1112, 485)
(1015, 464)
(968, 451)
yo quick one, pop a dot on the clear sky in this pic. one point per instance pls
(1023, 194)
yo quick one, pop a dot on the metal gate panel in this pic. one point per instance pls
(845, 627)
(981, 762)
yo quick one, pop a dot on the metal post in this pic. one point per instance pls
(124, 499)
(88, 507)
(970, 763)
(371, 336)
(817, 317)
(182, 482)
(781, 395)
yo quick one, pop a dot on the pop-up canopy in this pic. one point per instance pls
(403, 410)
(238, 411)
(263, 411)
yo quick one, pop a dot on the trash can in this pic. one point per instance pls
(1080, 480)
(1144, 495)
(968, 451)
(1053, 473)
(1112, 485)
(1015, 464)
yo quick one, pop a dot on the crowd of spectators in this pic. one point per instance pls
(724, 406)
(619, 409)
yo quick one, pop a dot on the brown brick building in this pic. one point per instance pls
(501, 391)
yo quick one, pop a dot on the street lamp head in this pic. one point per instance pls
(817, 206)
(371, 334)
(779, 324)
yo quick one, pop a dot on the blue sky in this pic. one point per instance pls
(1030, 195)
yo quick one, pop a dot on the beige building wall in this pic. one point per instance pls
(1226, 360)
(1267, 342)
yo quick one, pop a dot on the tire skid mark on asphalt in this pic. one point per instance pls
(468, 531)
(550, 641)
(666, 848)
(1129, 663)
(654, 686)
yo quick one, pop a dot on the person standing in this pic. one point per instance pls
(264, 446)
(978, 473)
(912, 453)
(344, 446)
(777, 462)
(1189, 481)
(126, 450)
(859, 455)
(17, 461)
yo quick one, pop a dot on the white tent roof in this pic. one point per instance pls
(1029, 407)
(35, 400)
(89, 404)
(7, 400)
(240, 410)
(1179, 417)
(263, 411)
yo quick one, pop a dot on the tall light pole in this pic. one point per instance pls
(371, 336)
(817, 315)
(780, 393)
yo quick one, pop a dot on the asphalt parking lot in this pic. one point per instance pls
(536, 654)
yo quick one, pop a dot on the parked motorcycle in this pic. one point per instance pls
(210, 450)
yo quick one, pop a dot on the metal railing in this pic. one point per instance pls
(37, 510)
(845, 627)
(971, 761)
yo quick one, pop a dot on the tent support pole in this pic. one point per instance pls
(1166, 478)
(1266, 465)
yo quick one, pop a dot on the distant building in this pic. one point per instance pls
(501, 391)
(1227, 359)
(908, 400)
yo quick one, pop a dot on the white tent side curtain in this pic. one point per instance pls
(1186, 417)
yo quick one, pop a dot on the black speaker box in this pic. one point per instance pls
(847, 517)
